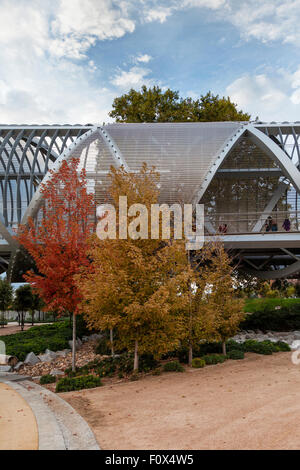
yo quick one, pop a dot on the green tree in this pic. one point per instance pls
(6, 295)
(23, 301)
(154, 105)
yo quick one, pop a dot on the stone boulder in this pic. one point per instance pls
(31, 359)
(78, 344)
(295, 344)
(48, 356)
(5, 369)
(18, 366)
(56, 372)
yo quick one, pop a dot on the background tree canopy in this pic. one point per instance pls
(154, 105)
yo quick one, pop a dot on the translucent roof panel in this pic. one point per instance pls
(183, 153)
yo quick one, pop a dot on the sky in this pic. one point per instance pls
(64, 61)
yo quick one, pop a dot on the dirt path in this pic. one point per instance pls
(249, 404)
(18, 428)
(12, 329)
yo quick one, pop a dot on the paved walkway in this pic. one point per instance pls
(18, 426)
(32, 417)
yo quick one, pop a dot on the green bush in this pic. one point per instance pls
(102, 347)
(47, 379)
(272, 314)
(235, 354)
(259, 347)
(282, 346)
(198, 363)
(211, 359)
(38, 339)
(55, 336)
(69, 384)
(173, 366)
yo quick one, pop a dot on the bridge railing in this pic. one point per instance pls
(252, 222)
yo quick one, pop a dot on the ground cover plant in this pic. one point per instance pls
(47, 379)
(68, 384)
(39, 338)
(272, 314)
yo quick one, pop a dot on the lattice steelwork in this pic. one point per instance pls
(243, 172)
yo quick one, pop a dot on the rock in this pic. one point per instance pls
(51, 353)
(295, 344)
(95, 337)
(56, 372)
(85, 339)
(18, 366)
(31, 359)
(45, 358)
(296, 334)
(48, 356)
(63, 353)
(78, 344)
(5, 369)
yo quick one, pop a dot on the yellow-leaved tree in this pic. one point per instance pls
(223, 298)
(127, 286)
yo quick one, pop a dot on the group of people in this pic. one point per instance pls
(272, 226)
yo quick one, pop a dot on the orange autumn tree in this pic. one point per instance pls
(57, 243)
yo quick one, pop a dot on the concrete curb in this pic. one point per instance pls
(60, 427)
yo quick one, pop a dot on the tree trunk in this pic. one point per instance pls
(136, 356)
(190, 355)
(74, 344)
(224, 347)
(39, 316)
(32, 318)
(22, 321)
(111, 332)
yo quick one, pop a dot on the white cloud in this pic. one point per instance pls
(266, 21)
(78, 24)
(213, 4)
(135, 77)
(145, 58)
(39, 82)
(159, 14)
(272, 98)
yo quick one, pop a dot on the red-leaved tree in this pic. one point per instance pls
(57, 240)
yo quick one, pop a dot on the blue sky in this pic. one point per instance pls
(64, 61)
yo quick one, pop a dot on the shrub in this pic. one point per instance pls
(198, 363)
(211, 359)
(157, 371)
(47, 379)
(102, 347)
(282, 346)
(235, 354)
(272, 314)
(173, 366)
(68, 384)
(259, 347)
(38, 339)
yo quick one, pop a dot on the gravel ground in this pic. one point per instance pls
(248, 404)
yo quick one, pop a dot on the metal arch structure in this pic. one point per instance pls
(189, 158)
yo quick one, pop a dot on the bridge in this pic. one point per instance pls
(246, 175)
